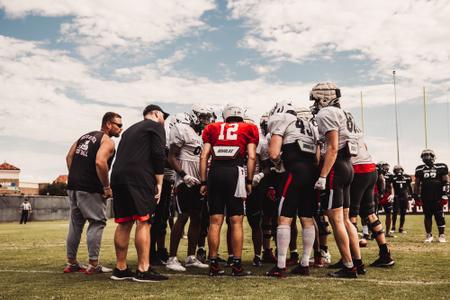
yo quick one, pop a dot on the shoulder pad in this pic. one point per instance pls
(279, 122)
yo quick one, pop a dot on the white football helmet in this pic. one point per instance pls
(201, 114)
(324, 94)
(232, 110)
(304, 113)
(283, 107)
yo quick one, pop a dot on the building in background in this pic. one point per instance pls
(9, 179)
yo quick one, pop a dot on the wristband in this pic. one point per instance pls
(248, 181)
(202, 183)
(182, 173)
(106, 187)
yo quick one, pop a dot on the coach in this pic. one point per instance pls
(136, 180)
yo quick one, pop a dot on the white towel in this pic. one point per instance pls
(240, 192)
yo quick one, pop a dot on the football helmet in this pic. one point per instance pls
(304, 113)
(233, 111)
(398, 170)
(324, 94)
(263, 122)
(428, 157)
(283, 107)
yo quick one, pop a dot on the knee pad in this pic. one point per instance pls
(374, 224)
(375, 233)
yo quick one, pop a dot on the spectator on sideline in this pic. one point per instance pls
(26, 210)
(88, 161)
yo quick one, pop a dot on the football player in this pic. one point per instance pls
(336, 174)
(294, 141)
(184, 156)
(226, 185)
(362, 196)
(387, 196)
(431, 191)
(402, 191)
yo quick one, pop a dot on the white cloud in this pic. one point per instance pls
(105, 25)
(409, 35)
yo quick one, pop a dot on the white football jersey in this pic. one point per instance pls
(294, 130)
(363, 156)
(332, 118)
(190, 144)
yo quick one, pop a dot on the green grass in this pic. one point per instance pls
(32, 257)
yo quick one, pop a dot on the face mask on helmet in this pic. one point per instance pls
(398, 170)
(428, 157)
(324, 94)
(385, 168)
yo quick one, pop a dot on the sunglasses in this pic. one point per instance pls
(117, 124)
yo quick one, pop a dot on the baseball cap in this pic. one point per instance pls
(152, 107)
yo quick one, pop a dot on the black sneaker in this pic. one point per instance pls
(276, 272)
(338, 265)
(215, 270)
(201, 255)
(126, 274)
(360, 268)
(238, 270)
(383, 261)
(344, 273)
(301, 270)
(149, 276)
(257, 261)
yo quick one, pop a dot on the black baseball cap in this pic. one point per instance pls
(153, 107)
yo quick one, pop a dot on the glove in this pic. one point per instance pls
(444, 200)
(279, 168)
(257, 178)
(320, 183)
(190, 181)
(390, 198)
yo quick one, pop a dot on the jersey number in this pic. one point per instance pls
(301, 125)
(230, 134)
(351, 123)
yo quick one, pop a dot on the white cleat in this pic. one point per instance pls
(192, 261)
(326, 256)
(442, 238)
(174, 265)
(429, 238)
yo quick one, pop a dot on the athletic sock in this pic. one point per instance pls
(308, 237)
(357, 262)
(324, 248)
(237, 261)
(365, 229)
(383, 249)
(348, 265)
(283, 240)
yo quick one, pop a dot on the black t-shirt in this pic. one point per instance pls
(82, 173)
(140, 155)
(431, 176)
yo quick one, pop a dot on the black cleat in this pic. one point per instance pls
(338, 265)
(229, 262)
(149, 276)
(301, 270)
(276, 272)
(384, 261)
(237, 270)
(360, 269)
(345, 273)
(215, 270)
(257, 261)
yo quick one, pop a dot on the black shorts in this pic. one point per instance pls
(400, 204)
(361, 194)
(133, 203)
(188, 199)
(222, 181)
(298, 194)
(337, 192)
(259, 203)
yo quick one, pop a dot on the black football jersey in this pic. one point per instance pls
(401, 183)
(431, 176)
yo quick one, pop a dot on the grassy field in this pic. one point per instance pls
(32, 257)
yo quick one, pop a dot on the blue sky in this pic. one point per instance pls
(62, 66)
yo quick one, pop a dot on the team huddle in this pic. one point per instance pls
(310, 163)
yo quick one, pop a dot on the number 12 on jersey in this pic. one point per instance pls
(230, 133)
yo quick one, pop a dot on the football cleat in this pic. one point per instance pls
(428, 238)
(383, 261)
(442, 238)
(238, 270)
(301, 270)
(174, 265)
(257, 261)
(276, 272)
(344, 273)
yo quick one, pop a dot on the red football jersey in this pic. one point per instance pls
(238, 134)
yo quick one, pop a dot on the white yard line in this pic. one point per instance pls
(360, 279)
